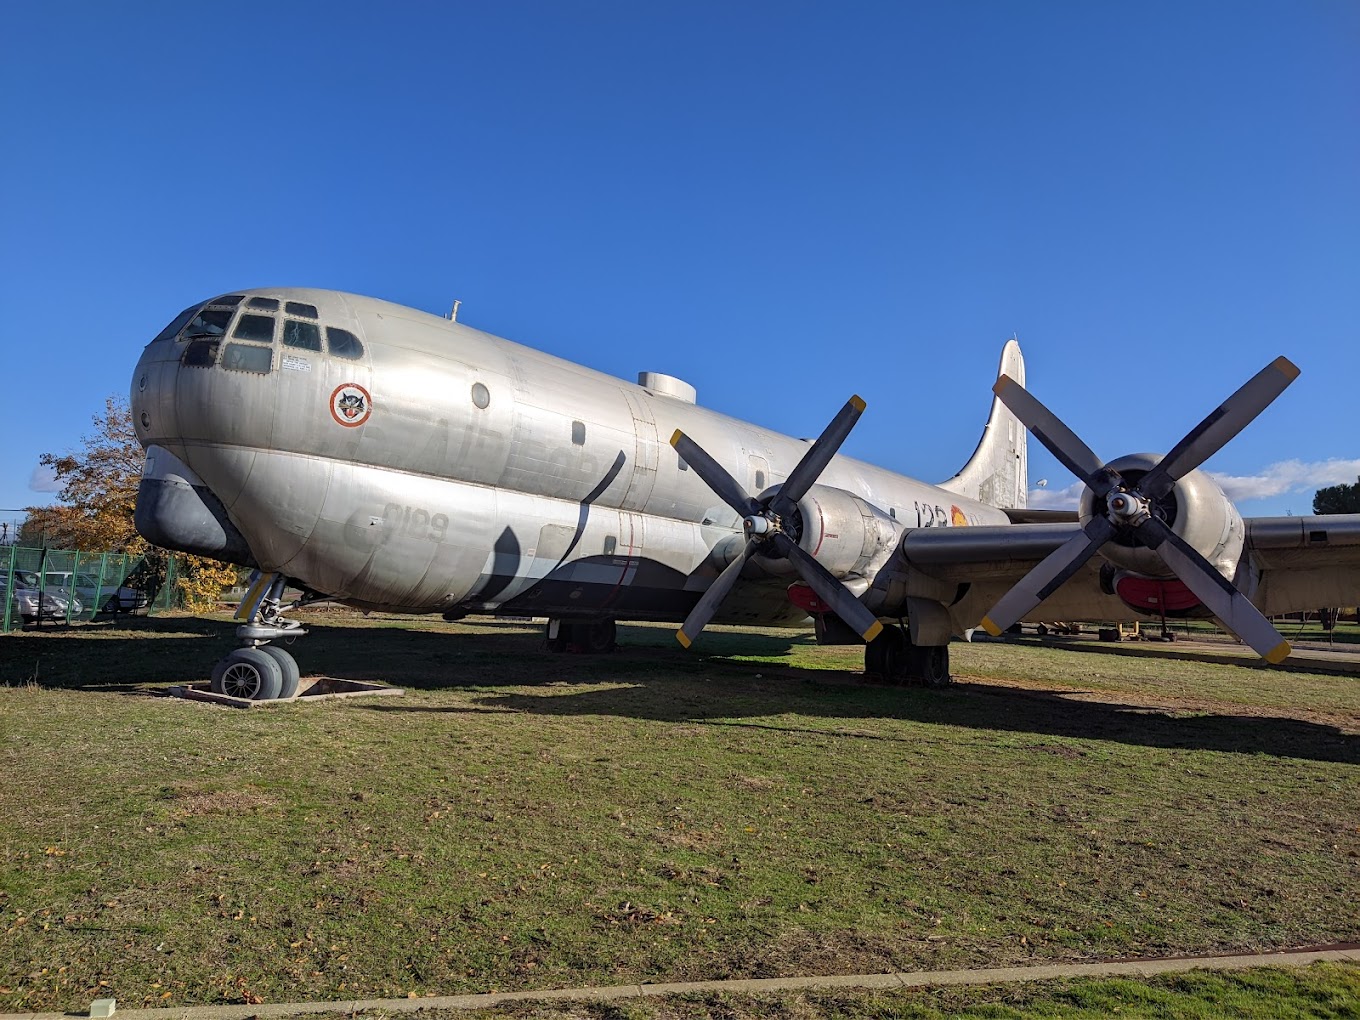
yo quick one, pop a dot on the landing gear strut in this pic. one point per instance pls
(592, 636)
(260, 671)
(892, 658)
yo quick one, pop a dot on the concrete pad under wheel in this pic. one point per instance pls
(310, 690)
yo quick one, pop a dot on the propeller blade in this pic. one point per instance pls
(1210, 435)
(818, 456)
(714, 475)
(828, 589)
(708, 603)
(1047, 576)
(1220, 595)
(1057, 438)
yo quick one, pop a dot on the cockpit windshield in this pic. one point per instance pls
(209, 322)
(176, 324)
(203, 328)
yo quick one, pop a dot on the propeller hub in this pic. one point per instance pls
(1129, 508)
(759, 524)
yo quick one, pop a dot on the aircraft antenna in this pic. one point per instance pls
(453, 312)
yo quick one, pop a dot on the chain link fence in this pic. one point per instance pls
(58, 586)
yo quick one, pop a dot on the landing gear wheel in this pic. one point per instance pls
(288, 668)
(594, 638)
(597, 637)
(930, 664)
(885, 657)
(248, 673)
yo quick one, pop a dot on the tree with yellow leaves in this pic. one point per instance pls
(98, 496)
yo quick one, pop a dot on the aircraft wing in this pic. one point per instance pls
(1288, 564)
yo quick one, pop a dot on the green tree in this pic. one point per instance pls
(97, 499)
(1338, 499)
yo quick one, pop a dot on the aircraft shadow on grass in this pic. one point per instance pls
(653, 682)
(973, 706)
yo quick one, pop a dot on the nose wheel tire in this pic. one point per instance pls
(288, 667)
(248, 673)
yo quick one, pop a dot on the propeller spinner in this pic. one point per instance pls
(764, 523)
(1132, 509)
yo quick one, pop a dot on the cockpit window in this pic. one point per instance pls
(209, 322)
(265, 302)
(201, 353)
(176, 324)
(306, 335)
(344, 344)
(298, 308)
(248, 358)
(231, 300)
(255, 327)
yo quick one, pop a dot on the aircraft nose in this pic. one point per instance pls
(152, 396)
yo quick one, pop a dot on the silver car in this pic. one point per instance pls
(107, 598)
(27, 602)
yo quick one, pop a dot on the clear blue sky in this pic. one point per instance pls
(783, 203)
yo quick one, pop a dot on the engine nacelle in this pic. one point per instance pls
(840, 531)
(1195, 509)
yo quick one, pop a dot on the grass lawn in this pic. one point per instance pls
(522, 820)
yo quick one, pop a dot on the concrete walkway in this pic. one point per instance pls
(920, 979)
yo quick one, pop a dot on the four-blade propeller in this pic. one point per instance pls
(765, 526)
(1132, 509)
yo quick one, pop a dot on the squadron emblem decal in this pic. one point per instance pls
(351, 405)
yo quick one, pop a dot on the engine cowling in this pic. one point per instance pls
(1195, 509)
(841, 531)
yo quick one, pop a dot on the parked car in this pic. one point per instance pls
(107, 598)
(27, 602)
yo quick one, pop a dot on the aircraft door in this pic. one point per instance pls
(646, 453)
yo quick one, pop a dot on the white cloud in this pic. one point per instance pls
(1275, 480)
(1287, 476)
(43, 479)
(1055, 499)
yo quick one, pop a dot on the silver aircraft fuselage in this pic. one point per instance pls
(430, 467)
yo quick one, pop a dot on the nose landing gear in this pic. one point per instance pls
(260, 671)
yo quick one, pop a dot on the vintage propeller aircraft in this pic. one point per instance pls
(389, 459)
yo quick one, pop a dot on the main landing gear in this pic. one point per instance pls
(594, 637)
(260, 671)
(892, 658)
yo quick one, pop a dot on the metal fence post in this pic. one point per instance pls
(71, 587)
(99, 584)
(9, 586)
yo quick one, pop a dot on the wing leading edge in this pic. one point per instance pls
(1288, 564)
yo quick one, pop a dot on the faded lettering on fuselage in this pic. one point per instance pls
(415, 522)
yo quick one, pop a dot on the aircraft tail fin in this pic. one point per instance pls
(998, 471)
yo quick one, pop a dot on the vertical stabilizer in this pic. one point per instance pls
(998, 472)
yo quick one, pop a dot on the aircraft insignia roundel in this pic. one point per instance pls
(351, 405)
